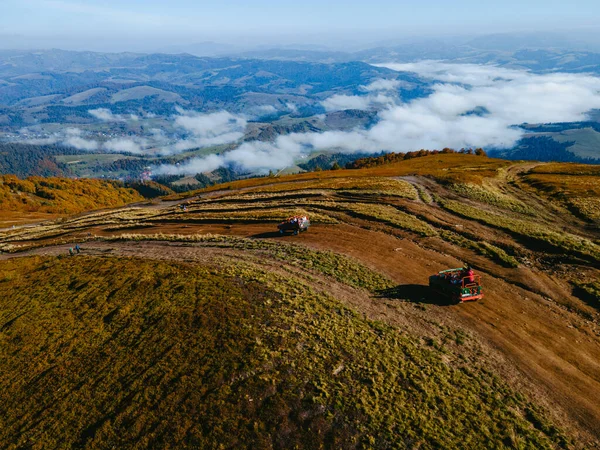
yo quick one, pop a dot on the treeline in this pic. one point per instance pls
(26, 160)
(150, 189)
(199, 181)
(329, 161)
(390, 158)
(62, 195)
(134, 166)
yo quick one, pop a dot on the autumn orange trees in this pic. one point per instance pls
(62, 195)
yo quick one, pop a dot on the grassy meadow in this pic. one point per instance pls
(240, 338)
(97, 352)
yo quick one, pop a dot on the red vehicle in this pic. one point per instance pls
(461, 285)
(295, 224)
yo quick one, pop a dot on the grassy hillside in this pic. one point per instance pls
(99, 352)
(242, 337)
(576, 185)
(61, 195)
(447, 167)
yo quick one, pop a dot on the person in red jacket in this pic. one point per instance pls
(469, 274)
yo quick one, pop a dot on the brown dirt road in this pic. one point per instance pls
(551, 351)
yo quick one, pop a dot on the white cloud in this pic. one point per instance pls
(342, 102)
(106, 115)
(265, 109)
(73, 138)
(203, 130)
(76, 138)
(471, 74)
(362, 102)
(124, 145)
(81, 144)
(473, 106)
(380, 93)
(209, 129)
(382, 85)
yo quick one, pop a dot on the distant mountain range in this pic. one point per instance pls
(37, 87)
(533, 59)
(280, 91)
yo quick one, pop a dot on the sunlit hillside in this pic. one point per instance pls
(193, 323)
(62, 195)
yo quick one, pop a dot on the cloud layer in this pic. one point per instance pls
(471, 106)
(106, 115)
(381, 93)
(198, 131)
(206, 130)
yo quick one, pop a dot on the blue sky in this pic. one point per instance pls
(230, 20)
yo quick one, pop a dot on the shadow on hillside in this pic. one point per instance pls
(588, 298)
(268, 234)
(415, 293)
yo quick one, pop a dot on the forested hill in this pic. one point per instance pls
(26, 159)
(62, 195)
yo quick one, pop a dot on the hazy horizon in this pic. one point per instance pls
(412, 76)
(152, 26)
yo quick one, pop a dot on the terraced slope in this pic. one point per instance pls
(349, 324)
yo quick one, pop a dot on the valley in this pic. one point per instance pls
(136, 116)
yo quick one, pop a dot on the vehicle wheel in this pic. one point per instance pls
(295, 232)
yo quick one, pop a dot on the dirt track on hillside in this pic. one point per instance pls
(554, 350)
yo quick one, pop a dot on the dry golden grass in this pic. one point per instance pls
(481, 247)
(251, 196)
(562, 186)
(424, 195)
(491, 196)
(64, 226)
(19, 218)
(444, 167)
(384, 213)
(266, 214)
(566, 242)
(366, 185)
(342, 268)
(37, 232)
(576, 186)
(104, 353)
(587, 207)
(567, 169)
